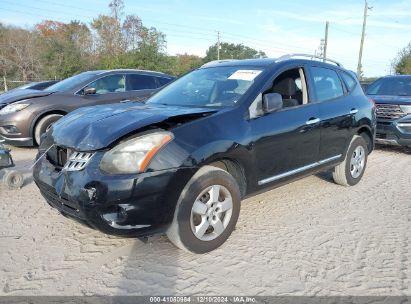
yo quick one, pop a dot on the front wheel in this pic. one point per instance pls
(351, 170)
(206, 212)
(43, 125)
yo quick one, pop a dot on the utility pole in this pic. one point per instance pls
(320, 52)
(325, 40)
(5, 83)
(218, 45)
(364, 24)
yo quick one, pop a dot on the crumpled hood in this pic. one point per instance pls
(391, 99)
(94, 128)
(16, 95)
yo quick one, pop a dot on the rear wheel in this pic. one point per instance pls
(44, 124)
(351, 170)
(206, 212)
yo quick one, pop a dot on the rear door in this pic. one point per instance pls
(336, 111)
(139, 87)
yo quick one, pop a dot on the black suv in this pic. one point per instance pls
(392, 95)
(182, 162)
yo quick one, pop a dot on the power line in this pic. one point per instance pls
(198, 29)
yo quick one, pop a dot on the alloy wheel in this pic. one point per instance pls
(211, 212)
(357, 162)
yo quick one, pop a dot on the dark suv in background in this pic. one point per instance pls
(36, 85)
(182, 162)
(392, 95)
(26, 114)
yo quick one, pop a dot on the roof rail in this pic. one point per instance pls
(217, 61)
(289, 56)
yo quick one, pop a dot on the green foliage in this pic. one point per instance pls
(56, 50)
(402, 64)
(232, 51)
(63, 47)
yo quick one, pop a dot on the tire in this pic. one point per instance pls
(43, 125)
(198, 211)
(351, 170)
(13, 179)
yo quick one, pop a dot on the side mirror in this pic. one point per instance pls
(89, 91)
(272, 102)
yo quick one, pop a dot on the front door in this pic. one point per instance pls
(287, 141)
(108, 89)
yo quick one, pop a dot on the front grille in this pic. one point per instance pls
(66, 159)
(57, 156)
(77, 161)
(389, 111)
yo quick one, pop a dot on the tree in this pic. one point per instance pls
(66, 48)
(109, 37)
(19, 53)
(402, 64)
(232, 51)
(183, 63)
(54, 49)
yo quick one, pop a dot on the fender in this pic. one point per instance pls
(46, 111)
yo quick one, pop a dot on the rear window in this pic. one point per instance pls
(327, 84)
(350, 82)
(140, 82)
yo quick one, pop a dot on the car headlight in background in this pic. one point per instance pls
(14, 107)
(406, 109)
(134, 155)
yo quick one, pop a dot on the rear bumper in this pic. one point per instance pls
(396, 132)
(130, 205)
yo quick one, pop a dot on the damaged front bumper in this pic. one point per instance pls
(124, 205)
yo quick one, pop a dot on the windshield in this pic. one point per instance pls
(70, 83)
(399, 86)
(210, 87)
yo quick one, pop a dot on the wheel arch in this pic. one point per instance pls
(366, 131)
(41, 116)
(235, 168)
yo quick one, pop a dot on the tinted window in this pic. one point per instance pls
(140, 82)
(163, 81)
(349, 81)
(400, 86)
(71, 82)
(109, 84)
(327, 84)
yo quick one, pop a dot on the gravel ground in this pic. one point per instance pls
(310, 237)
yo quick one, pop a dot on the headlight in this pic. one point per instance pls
(134, 155)
(14, 107)
(406, 109)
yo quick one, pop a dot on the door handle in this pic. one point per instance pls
(125, 100)
(312, 121)
(353, 111)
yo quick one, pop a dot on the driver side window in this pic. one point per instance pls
(109, 84)
(292, 87)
